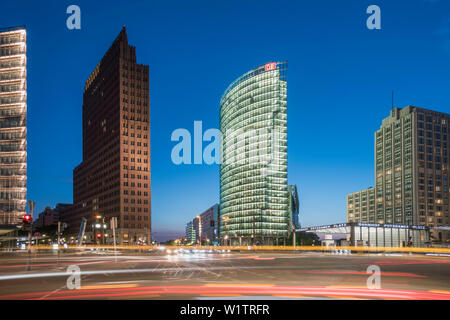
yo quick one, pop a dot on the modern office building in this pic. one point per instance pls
(204, 228)
(206, 225)
(411, 173)
(254, 197)
(191, 237)
(113, 179)
(13, 125)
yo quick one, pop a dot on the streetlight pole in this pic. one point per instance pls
(225, 219)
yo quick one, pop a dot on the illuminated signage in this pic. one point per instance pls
(270, 66)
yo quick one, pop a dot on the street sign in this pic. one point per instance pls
(113, 222)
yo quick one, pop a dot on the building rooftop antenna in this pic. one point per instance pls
(392, 99)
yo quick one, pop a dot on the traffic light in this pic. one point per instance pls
(99, 235)
(26, 222)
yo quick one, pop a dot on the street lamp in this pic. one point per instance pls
(225, 219)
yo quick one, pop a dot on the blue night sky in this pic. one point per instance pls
(340, 80)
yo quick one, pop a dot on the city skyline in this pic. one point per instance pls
(352, 89)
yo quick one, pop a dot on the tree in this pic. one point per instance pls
(304, 238)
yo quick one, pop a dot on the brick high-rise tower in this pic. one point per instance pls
(114, 178)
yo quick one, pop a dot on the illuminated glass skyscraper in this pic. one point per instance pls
(13, 126)
(254, 195)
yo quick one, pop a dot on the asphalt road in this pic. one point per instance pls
(234, 275)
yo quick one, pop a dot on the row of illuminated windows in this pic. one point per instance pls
(132, 77)
(256, 152)
(250, 110)
(226, 189)
(277, 165)
(12, 38)
(12, 99)
(11, 88)
(266, 121)
(137, 110)
(249, 211)
(266, 233)
(250, 84)
(13, 183)
(256, 227)
(268, 212)
(136, 201)
(138, 143)
(252, 95)
(257, 120)
(134, 226)
(277, 162)
(132, 135)
(12, 135)
(237, 194)
(132, 126)
(132, 184)
(138, 103)
(12, 147)
(12, 112)
(133, 151)
(13, 207)
(138, 160)
(255, 199)
(243, 104)
(133, 209)
(12, 51)
(133, 218)
(230, 108)
(260, 104)
(244, 156)
(261, 205)
(253, 187)
(139, 94)
(276, 172)
(248, 136)
(126, 167)
(12, 195)
(278, 176)
(11, 63)
(13, 171)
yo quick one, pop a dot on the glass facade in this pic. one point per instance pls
(374, 234)
(13, 132)
(254, 195)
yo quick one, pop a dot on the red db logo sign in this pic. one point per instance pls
(270, 66)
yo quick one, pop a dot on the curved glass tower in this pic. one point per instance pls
(254, 197)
